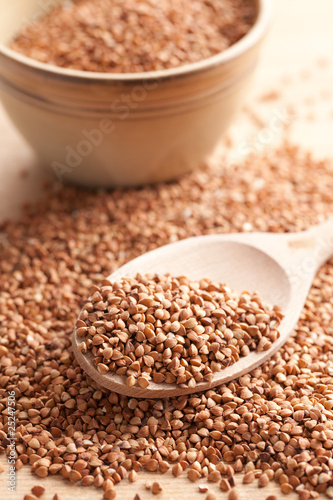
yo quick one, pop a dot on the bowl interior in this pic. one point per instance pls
(22, 13)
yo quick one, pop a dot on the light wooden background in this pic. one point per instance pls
(298, 63)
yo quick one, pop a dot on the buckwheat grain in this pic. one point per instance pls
(127, 36)
(64, 246)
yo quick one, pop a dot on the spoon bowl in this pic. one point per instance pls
(280, 267)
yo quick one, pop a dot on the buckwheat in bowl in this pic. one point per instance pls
(126, 92)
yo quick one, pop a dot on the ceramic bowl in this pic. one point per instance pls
(105, 130)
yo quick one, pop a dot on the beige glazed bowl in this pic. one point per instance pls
(99, 129)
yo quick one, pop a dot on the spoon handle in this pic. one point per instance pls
(323, 237)
(302, 254)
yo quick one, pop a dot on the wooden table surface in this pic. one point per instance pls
(297, 64)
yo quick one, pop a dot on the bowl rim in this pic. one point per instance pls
(252, 38)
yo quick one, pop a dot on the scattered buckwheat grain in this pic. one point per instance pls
(38, 490)
(156, 488)
(148, 485)
(248, 477)
(233, 495)
(109, 495)
(64, 246)
(202, 488)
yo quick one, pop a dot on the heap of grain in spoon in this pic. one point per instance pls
(172, 330)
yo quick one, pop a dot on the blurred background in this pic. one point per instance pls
(292, 96)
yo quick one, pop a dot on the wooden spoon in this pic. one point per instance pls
(280, 267)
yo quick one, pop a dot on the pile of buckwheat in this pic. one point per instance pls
(127, 36)
(274, 424)
(166, 329)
